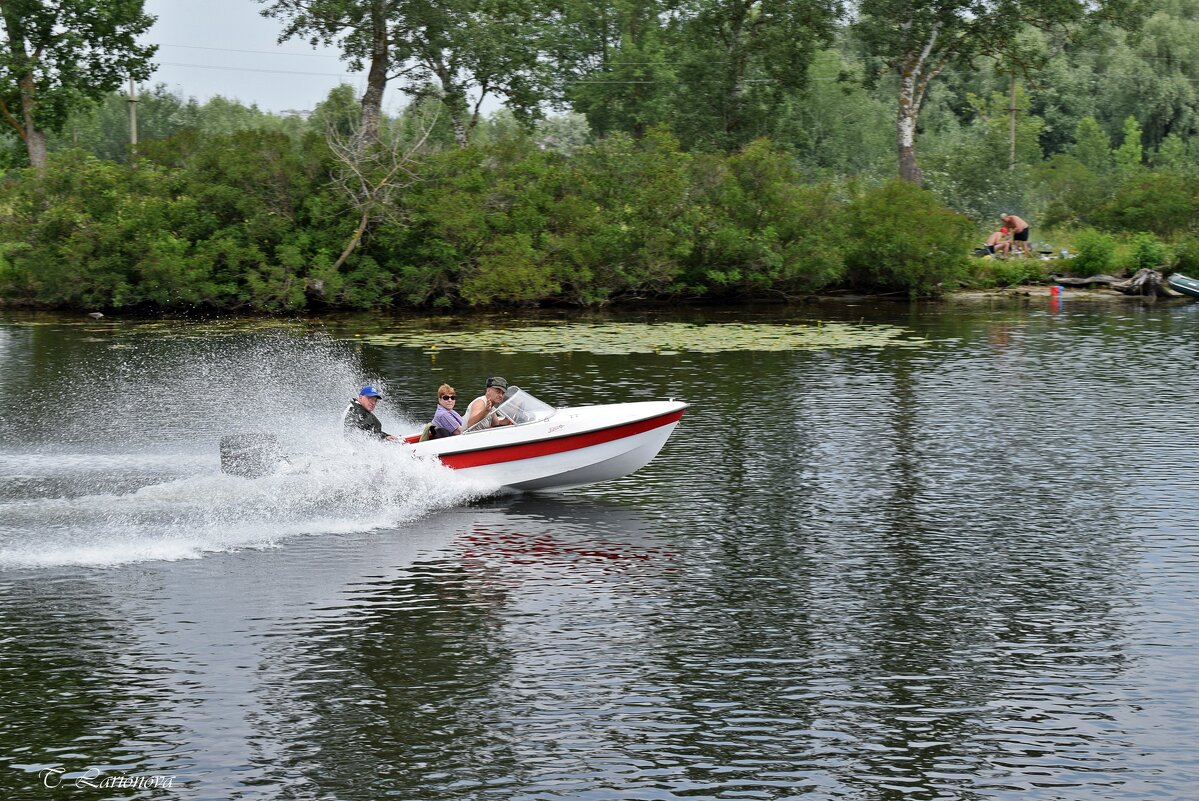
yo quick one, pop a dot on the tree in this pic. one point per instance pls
(60, 54)
(623, 80)
(964, 167)
(563, 134)
(103, 128)
(472, 49)
(466, 49)
(717, 72)
(1174, 154)
(1065, 94)
(1091, 145)
(370, 174)
(363, 30)
(1129, 155)
(837, 127)
(1154, 75)
(337, 114)
(741, 61)
(920, 39)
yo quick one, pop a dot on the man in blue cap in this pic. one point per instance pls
(359, 417)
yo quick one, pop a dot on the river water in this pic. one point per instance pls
(960, 561)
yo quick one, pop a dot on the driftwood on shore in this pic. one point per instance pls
(1145, 282)
(1106, 280)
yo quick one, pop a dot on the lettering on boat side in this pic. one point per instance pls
(53, 777)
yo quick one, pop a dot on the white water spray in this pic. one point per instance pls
(131, 469)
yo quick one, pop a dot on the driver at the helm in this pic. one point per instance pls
(481, 410)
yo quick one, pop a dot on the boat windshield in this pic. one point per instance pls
(520, 407)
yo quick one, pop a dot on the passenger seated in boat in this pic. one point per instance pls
(481, 412)
(446, 421)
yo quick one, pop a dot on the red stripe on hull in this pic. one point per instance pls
(552, 445)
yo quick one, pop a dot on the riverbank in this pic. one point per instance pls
(1088, 295)
(959, 296)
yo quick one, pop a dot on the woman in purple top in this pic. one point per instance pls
(447, 421)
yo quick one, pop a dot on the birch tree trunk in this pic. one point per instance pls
(461, 137)
(915, 72)
(905, 130)
(1011, 126)
(454, 99)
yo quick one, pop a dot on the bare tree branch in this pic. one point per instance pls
(372, 172)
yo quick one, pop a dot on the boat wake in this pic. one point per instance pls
(335, 490)
(129, 470)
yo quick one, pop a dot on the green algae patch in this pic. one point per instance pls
(664, 339)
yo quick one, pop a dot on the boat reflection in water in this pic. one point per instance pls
(554, 449)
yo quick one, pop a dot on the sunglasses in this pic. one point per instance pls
(449, 397)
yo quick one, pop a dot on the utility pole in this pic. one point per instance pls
(1011, 125)
(132, 119)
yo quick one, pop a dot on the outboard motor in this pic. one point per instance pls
(250, 455)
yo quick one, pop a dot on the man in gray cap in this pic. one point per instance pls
(359, 417)
(481, 412)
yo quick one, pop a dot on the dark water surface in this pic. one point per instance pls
(966, 570)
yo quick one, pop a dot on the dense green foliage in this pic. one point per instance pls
(901, 238)
(677, 176)
(240, 220)
(1096, 252)
(244, 220)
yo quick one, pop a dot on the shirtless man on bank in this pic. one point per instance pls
(1019, 229)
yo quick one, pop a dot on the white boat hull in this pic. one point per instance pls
(571, 448)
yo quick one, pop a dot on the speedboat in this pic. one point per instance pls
(540, 448)
(555, 449)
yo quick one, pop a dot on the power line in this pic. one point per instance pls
(887, 74)
(608, 64)
(256, 69)
(1074, 54)
(260, 52)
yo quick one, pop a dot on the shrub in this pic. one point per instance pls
(1145, 251)
(760, 230)
(1004, 272)
(509, 269)
(642, 231)
(1186, 255)
(1071, 191)
(1094, 251)
(102, 235)
(899, 237)
(1164, 203)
